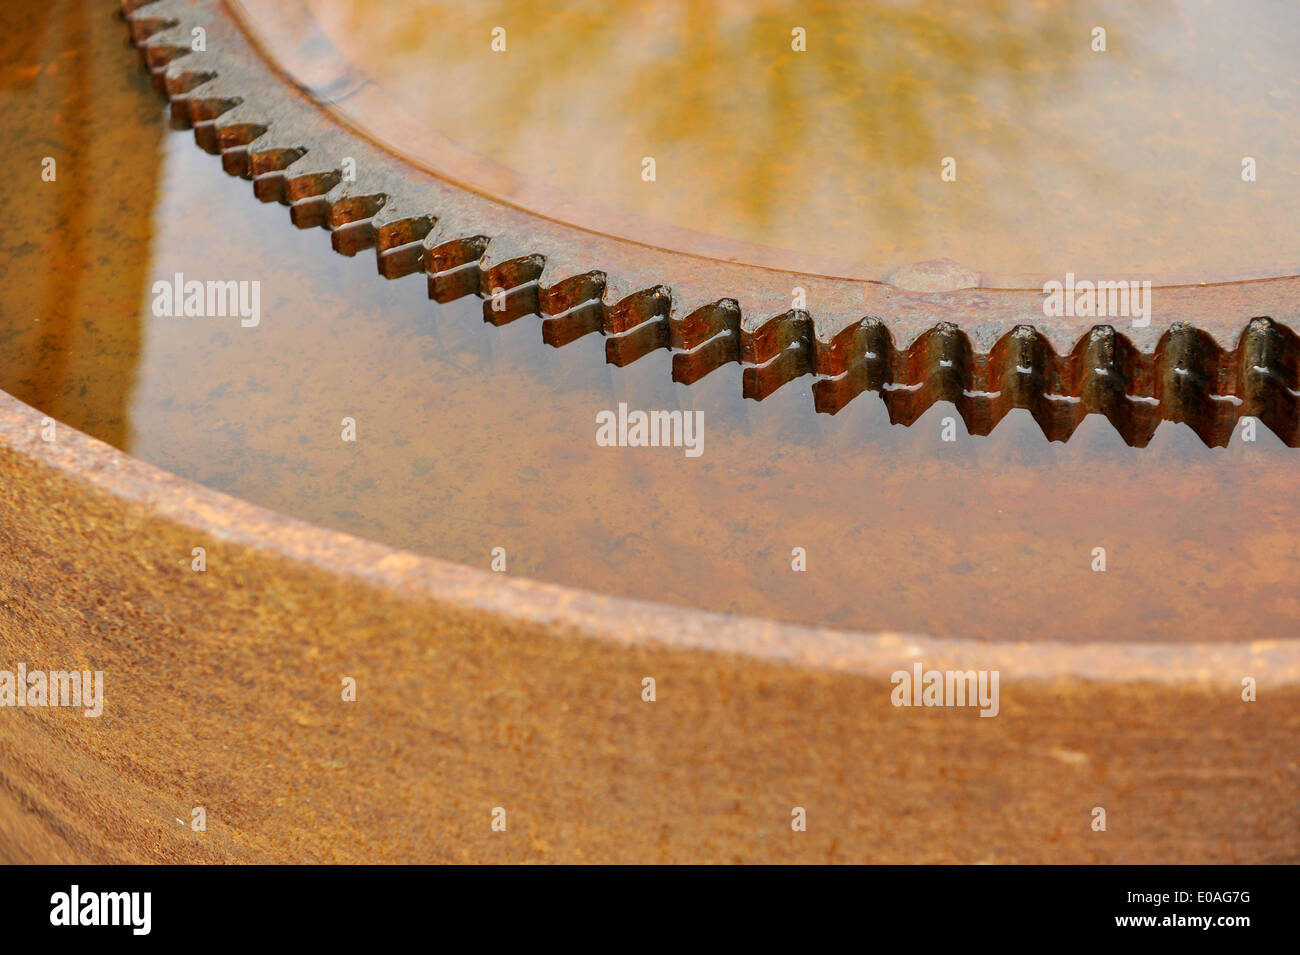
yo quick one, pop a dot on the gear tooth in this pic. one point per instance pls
(853, 361)
(449, 230)
(559, 271)
(511, 262)
(451, 256)
(637, 324)
(1026, 368)
(216, 97)
(309, 168)
(1096, 375)
(507, 264)
(941, 358)
(1187, 363)
(838, 339)
(1136, 366)
(565, 284)
(349, 217)
(1265, 376)
(1098, 345)
(508, 277)
(629, 310)
(199, 104)
(237, 157)
(202, 112)
(168, 42)
(934, 367)
(187, 89)
(1048, 388)
(619, 287)
(306, 193)
(695, 319)
(342, 193)
(267, 168)
(393, 211)
(183, 76)
(570, 301)
(704, 336)
(231, 133)
(775, 352)
(685, 303)
(984, 387)
(399, 240)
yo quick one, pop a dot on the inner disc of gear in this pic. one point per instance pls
(1020, 211)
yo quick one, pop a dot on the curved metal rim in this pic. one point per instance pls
(572, 613)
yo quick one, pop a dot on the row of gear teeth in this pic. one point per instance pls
(1188, 376)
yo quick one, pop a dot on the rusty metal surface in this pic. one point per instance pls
(477, 691)
(1211, 354)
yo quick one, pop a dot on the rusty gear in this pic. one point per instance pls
(1217, 352)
